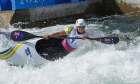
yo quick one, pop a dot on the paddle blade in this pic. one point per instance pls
(110, 40)
(21, 35)
(107, 40)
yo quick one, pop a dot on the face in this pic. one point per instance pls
(81, 29)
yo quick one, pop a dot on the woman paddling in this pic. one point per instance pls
(71, 44)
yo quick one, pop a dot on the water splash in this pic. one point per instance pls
(93, 63)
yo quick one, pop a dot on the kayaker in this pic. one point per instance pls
(77, 31)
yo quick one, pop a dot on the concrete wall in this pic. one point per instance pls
(55, 14)
(52, 14)
(5, 18)
(127, 6)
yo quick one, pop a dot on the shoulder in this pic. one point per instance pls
(68, 30)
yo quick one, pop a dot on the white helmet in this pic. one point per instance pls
(80, 22)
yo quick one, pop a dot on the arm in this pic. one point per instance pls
(57, 34)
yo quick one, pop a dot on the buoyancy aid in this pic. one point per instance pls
(72, 44)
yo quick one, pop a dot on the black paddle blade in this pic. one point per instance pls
(107, 40)
(110, 40)
(21, 35)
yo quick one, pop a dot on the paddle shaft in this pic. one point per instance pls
(101, 39)
(75, 38)
(68, 38)
(59, 37)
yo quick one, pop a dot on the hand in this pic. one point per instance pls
(46, 36)
(84, 37)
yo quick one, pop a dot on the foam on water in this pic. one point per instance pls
(93, 63)
(5, 41)
(100, 64)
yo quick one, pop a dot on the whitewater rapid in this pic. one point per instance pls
(93, 63)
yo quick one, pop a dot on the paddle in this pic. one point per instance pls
(22, 35)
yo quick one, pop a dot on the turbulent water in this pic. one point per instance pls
(93, 63)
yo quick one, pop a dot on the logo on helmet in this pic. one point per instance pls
(80, 22)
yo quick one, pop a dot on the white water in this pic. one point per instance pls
(93, 63)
